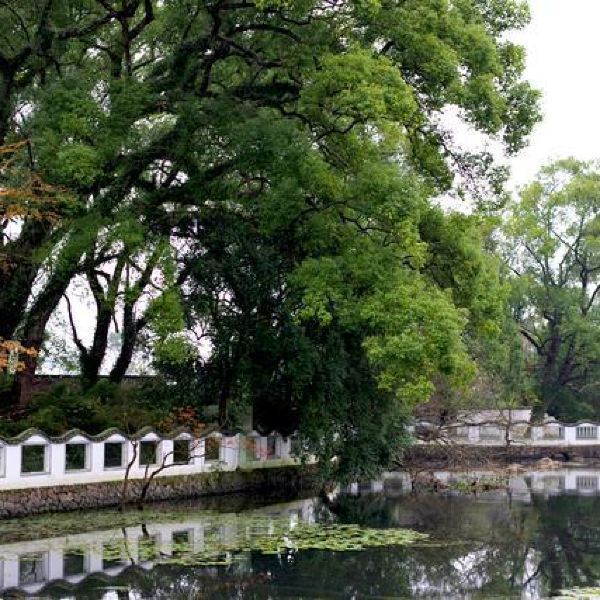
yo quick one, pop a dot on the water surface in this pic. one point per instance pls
(530, 540)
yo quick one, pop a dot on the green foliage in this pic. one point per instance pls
(65, 406)
(164, 314)
(553, 248)
(417, 334)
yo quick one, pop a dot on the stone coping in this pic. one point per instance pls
(502, 422)
(138, 435)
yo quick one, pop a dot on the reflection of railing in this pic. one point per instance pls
(587, 482)
(459, 433)
(571, 480)
(30, 566)
(35, 460)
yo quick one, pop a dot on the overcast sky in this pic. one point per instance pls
(563, 60)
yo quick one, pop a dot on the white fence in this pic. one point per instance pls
(36, 460)
(550, 433)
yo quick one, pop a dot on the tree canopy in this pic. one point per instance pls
(258, 176)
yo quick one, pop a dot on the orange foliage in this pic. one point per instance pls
(24, 195)
(29, 196)
(182, 417)
(11, 353)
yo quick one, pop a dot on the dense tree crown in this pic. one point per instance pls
(258, 177)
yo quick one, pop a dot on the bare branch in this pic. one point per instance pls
(76, 338)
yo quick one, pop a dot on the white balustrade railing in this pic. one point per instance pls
(520, 433)
(34, 460)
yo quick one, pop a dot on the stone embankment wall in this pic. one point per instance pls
(24, 502)
(457, 455)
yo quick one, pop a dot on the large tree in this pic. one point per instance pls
(287, 152)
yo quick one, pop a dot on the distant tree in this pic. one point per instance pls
(553, 247)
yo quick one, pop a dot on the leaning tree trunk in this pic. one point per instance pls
(17, 274)
(131, 328)
(33, 332)
(91, 360)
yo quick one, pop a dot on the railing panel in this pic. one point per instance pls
(490, 433)
(552, 431)
(587, 432)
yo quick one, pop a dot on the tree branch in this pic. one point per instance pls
(530, 337)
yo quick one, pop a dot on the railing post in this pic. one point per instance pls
(286, 447)
(55, 564)
(96, 457)
(473, 434)
(230, 451)
(57, 465)
(166, 452)
(199, 455)
(12, 457)
(570, 434)
(11, 569)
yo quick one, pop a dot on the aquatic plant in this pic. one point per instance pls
(587, 593)
(225, 540)
(335, 537)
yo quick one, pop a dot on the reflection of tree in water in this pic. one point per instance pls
(164, 582)
(490, 546)
(569, 538)
(478, 546)
(486, 547)
(546, 546)
(373, 510)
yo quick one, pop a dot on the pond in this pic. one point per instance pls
(531, 539)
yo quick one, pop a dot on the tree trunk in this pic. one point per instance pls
(130, 331)
(224, 406)
(34, 329)
(91, 361)
(22, 389)
(549, 382)
(6, 88)
(17, 275)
